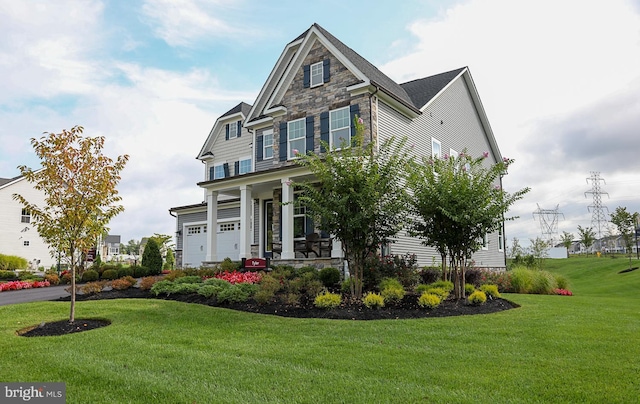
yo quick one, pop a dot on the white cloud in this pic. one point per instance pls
(182, 22)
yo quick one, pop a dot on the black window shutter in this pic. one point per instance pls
(211, 173)
(306, 80)
(283, 141)
(226, 135)
(324, 129)
(309, 134)
(355, 110)
(259, 145)
(236, 168)
(326, 74)
(226, 169)
(239, 131)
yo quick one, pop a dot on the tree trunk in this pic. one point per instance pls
(72, 314)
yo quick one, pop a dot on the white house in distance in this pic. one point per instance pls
(313, 93)
(18, 235)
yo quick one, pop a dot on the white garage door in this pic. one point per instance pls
(195, 243)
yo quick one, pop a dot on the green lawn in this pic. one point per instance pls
(583, 348)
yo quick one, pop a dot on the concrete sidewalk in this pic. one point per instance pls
(32, 295)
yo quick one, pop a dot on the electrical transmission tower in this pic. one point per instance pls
(548, 222)
(598, 217)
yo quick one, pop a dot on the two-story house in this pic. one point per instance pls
(18, 235)
(316, 88)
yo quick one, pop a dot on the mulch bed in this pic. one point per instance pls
(406, 309)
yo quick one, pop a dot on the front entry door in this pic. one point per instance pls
(268, 229)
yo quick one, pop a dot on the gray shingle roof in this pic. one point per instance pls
(421, 91)
(4, 181)
(242, 107)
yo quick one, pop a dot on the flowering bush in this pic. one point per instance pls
(563, 292)
(18, 285)
(240, 277)
(501, 279)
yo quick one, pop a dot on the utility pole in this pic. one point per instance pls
(598, 217)
(548, 222)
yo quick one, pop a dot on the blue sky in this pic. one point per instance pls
(559, 80)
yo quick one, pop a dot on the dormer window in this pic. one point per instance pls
(232, 130)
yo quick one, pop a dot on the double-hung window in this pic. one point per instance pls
(436, 148)
(218, 171)
(26, 216)
(296, 134)
(267, 144)
(317, 74)
(233, 130)
(245, 166)
(339, 128)
(299, 218)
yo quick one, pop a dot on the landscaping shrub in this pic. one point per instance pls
(92, 287)
(7, 275)
(26, 276)
(12, 262)
(446, 285)
(66, 277)
(110, 274)
(373, 300)
(313, 288)
(139, 271)
(53, 279)
(121, 284)
(90, 276)
(238, 293)
(209, 291)
(429, 300)
(151, 257)
(201, 272)
(164, 286)
(561, 282)
(125, 271)
(269, 284)
(490, 290)
(185, 288)
(421, 288)
(175, 274)
(327, 300)
(188, 279)
(402, 267)
(217, 282)
(389, 282)
(147, 282)
(264, 296)
(469, 288)
(442, 293)
(429, 275)
(307, 270)
(501, 279)
(393, 294)
(291, 298)
(229, 266)
(521, 280)
(329, 276)
(473, 276)
(476, 298)
(543, 283)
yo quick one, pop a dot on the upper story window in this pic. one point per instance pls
(26, 216)
(244, 166)
(296, 137)
(436, 148)
(500, 240)
(233, 130)
(218, 171)
(339, 127)
(316, 74)
(267, 144)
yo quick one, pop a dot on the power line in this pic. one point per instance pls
(598, 217)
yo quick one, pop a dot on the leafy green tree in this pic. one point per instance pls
(566, 240)
(457, 201)
(516, 249)
(132, 247)
(587, 236)
(79, 183)
(151, 257)
(357, 194)
(170, 260)
(539, 251)
(163, 241)
(626, 224)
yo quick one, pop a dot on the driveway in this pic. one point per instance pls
(32, 295)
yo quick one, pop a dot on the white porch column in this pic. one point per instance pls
(286, 221)
(245, 221)
(336, 248)
(212, 226)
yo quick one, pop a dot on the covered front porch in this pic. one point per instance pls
(270, 224)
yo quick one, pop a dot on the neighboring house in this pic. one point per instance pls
(316, 88)
(18, 235)
(109, 248)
